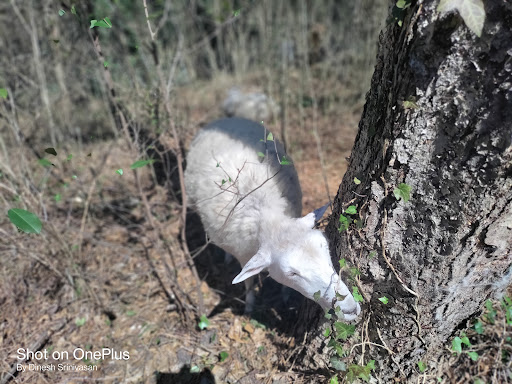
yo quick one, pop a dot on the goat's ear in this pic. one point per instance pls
(255, 265)
(311, 218)
(319, 212)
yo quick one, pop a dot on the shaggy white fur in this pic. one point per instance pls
(249, 201)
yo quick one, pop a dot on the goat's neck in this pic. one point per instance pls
(274, 226)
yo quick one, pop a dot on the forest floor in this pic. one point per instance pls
(101, 276)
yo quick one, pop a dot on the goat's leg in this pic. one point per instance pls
(249, 295)
(228, 258)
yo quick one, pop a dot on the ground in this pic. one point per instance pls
(99, 275)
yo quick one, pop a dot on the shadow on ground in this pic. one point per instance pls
(185, 376)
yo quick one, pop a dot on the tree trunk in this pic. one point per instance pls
(440, 255)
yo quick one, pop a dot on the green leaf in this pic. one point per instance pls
(270, 137)
(105, 64)
(58, 197)
(45, 162)
(334, 380)
(74, 177)
(357, 296)
(338, 347)
(80, 321)
(285, 161)
(361, 372)
(479, 327)
(473, 355)
(457, 344)
(491, 312)
(51, 151)
(465, 341)
(141, 163)
(120, 171)
(357, 181)
(131, 313)
(372, 254)
(409, 104)
(422, 366)
(384, 299)
(70, 156)
(327, 332)
(73, 10)
(236, 12)
(203, 322)
(105, 23)
(351, 210)
(508, 310)
(26, 221)
(223, 356)
(3, 93)
(261, 154)
(256, 324)
(344, 223)
(354, 272)
(194, 369)
(471, 11)
(403, 4)
(344, 331)
(402, 192)
(337, 364)
(62, 12)
(339, 297)
(316, 295)
(343, 263)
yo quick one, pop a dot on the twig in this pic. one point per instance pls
(179, 158)
(383, 246)
(383, 342)
(144, 198)
(173, 298)
(151, 33)
(315, 120)
(388, 262)
(84, 215)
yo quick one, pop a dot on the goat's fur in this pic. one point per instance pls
(250, 206)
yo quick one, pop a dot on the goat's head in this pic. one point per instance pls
(296, 255)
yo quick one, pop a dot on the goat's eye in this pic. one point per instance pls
(293, 274)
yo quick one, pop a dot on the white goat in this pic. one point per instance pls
(254, 106)
(250, 206)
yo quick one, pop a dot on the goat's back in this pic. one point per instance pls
(234, 188)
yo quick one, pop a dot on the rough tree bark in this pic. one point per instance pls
(439, 256)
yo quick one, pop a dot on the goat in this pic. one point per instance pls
(248, 196)
(254, 106)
